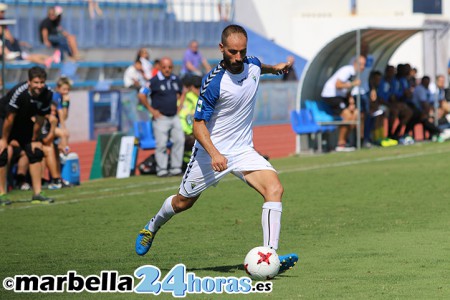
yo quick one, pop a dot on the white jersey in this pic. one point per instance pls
(344, 74)
(226, 103)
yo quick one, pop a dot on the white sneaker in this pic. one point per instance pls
(12, 55)
(345, 149)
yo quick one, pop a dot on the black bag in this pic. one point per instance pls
(148, 166)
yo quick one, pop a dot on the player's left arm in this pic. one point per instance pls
(277, 69)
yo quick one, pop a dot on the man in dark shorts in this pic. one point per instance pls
(336, 93)
(22, 113)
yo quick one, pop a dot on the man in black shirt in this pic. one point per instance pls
(52, 34)
(22, 113)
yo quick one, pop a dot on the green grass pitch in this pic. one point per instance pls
(374, 224)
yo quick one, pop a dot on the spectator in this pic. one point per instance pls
(13, 47)
(165, 88)
(52, 34)
(147, 66)
(336, 93)
(61, 98)
(421, 106)
(23, 102)
(94, 9)
(437, 89)
(401, 105)
(48, 136)
(193, 61)
(192, 84)
(290, 75)
(156, 67)
(134, 76)
(370, 103)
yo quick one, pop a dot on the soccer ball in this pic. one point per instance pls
(262, 263)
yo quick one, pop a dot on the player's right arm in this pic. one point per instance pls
(201, 134)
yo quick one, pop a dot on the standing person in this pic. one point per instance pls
(223, 132)
(164, 91)
(193, 61)
(336, 93)
(24, 102)
(52, 34)
(144, 57)
(186, 114)
(133, 77)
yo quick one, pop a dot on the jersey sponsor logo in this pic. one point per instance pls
(242, 80)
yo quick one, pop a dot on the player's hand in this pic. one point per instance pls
(219, 163)
(282, 68)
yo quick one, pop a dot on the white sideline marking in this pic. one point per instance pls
(171, 188)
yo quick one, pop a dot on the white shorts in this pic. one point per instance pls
(199, 174)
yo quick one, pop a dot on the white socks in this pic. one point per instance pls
(271, 223)
(164, 214)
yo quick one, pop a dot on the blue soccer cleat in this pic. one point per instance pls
(287, 262)
(144, 241)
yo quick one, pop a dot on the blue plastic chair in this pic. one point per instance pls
(144, 132)
(302, 122)
(320, 114)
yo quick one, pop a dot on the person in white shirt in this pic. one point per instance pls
(336, 93)
(133, 76)
(223, 132)
(147, 66)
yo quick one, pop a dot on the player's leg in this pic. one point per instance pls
(172, 205)
(267, 183)
(198, 177)
(35, 155)
(3, 170)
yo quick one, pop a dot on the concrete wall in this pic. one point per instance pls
(304, 27)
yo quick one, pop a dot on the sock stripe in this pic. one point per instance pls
(268, 223)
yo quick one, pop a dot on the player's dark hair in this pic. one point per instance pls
(37, 72)
(232, 29)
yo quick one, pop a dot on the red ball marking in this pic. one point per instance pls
(264, 257)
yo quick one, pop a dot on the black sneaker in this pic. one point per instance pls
(4, 200)
(41, 198)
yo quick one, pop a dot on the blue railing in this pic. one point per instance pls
(127, 24)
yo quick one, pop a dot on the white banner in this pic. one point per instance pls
(125, 157)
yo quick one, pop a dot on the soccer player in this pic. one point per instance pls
(25, 101)
(223, 132)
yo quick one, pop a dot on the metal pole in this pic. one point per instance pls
(436, 100)
(358, 95)
(3, 61)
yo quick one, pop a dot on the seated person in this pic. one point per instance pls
(61, 98)
(336, 93)
(52, 34)
(421, 107)
(51, 157)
